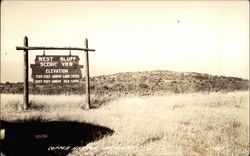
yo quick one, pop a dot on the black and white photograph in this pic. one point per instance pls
(105, 78)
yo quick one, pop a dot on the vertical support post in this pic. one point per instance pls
(87, 106)
(26, 76)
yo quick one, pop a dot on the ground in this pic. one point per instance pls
(174, 124)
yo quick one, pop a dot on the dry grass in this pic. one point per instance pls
(189, 124)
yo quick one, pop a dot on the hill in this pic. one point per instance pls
(142, 83)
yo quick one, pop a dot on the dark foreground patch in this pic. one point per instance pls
(47, 138)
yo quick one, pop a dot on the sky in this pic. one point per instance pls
(193, 36)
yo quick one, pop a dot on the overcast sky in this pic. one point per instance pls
(198, 36)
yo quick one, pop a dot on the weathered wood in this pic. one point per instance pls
(26, 76)
(56, 69)
(52, 48)
(26, 48)
(87, 106)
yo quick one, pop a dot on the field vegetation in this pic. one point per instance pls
(139, 83)
(151, 113)
(171, 124)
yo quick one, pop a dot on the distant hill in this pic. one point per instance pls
(142, 83)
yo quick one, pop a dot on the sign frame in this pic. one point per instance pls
(26, 49)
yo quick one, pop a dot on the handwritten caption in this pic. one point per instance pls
(67, 148)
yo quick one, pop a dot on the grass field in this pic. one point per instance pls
(181, 124)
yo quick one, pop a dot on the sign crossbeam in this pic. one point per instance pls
(53, 48)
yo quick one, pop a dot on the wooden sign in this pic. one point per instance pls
(47, 69)
(56, 69)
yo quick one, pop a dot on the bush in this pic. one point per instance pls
(133, 83)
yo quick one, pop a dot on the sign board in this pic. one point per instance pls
(56, 69)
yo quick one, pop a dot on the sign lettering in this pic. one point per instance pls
(56, 69)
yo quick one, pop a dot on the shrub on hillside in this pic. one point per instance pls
(138, 83)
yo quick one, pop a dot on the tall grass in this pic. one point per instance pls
(186, 124)
(191, 124)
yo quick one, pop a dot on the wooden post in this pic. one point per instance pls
(87, 106)
(26, 76)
